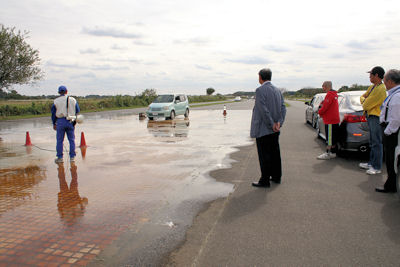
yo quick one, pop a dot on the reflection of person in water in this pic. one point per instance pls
(70, 205)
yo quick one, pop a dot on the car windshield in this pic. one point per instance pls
(164, 99)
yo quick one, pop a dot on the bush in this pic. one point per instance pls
(205, 98)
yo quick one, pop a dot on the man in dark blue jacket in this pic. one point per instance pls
(268, 116)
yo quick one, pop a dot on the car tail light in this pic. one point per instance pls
(351, 118)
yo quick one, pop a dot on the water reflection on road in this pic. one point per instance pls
(16, 186)
(134, 172)
(169, 130)
(71, 206)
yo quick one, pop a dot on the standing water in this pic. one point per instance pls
(138, 184)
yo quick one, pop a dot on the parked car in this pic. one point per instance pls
(397, 164)
(312, 109)
(238, 98)
(168, 107)
(354, 130)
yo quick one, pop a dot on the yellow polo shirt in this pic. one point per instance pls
(372, 101)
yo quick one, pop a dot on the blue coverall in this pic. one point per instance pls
(64, 126)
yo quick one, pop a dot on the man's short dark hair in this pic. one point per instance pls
(393, 75)
(377, 70)
(265, 74)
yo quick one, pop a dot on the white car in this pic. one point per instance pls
(238, 98)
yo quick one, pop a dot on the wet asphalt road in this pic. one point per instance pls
(324, 212)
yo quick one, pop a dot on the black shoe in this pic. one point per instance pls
(275, 181)
(258, 184)
(384, 190)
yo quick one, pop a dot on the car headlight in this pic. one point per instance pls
(166, 108)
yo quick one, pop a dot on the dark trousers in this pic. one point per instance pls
(269, 155)
(390, 143)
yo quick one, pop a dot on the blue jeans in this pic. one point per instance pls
(65, 126)
(375, 142)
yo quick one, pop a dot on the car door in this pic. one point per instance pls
(315, 108)
(320, 122)
(183, 103)
(176, 104)
(309, 110)
(180, 106)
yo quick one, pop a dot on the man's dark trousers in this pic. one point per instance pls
(390, 143)
(269, 155)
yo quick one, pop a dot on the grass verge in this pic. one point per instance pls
(18, 117)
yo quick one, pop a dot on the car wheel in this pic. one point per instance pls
(172, 116)
(187, 113)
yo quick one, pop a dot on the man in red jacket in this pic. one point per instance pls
(329, 112)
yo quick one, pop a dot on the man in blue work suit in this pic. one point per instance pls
(63, 115)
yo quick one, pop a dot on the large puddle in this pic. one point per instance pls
(133, 174)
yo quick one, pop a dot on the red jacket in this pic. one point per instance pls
(330, 108)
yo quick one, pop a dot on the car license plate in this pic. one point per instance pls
(155, 113)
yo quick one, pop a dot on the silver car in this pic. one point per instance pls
(353, 130)
(312, 109)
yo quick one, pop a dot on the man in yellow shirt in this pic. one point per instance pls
(371, 102)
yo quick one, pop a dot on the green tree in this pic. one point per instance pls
(344, 88)
(18, 60)
(210, 91)
(149, 93)
(147, 96)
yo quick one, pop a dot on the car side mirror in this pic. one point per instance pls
(307, 103)
(177, 101)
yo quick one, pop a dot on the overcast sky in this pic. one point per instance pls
(126, 46)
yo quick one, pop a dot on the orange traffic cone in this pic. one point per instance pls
(28, 140)
(224, 113)
(83, 152)
(83, 141)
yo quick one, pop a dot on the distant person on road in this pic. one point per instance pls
(371, 102)
(329, 112)
(63, 115)
(390, 122)
(268, 116)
